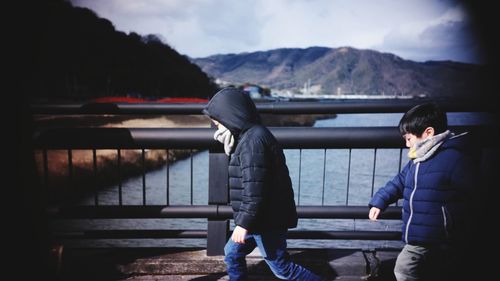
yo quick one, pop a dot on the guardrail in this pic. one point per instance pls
(217, 211)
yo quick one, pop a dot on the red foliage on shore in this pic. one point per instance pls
(141, 100)
(181, 100)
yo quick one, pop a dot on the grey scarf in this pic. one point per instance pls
(424, 149)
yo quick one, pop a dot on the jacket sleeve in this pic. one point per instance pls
(254, 171)
(466, 207)
(391, 192)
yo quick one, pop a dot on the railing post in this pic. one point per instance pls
(218, 230)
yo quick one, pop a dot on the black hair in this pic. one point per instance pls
(422, 116)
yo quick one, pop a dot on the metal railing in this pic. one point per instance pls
(324, 107)
(217, 211)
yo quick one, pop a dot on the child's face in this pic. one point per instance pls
(215, 123)
(412, 139)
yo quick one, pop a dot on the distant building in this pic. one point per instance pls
(309, 89)
(255, 91)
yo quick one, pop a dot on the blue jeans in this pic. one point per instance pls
(272, 246)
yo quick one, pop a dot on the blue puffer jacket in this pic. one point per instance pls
(436, 193)
(260, 187)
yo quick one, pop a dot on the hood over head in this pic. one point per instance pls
(234, 109)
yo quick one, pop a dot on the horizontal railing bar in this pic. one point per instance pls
(208, 211)
(344, 212)
(130, 234)
(162, 233)
(202, 138)
(347, 235)
(277, 107)
(128, 138)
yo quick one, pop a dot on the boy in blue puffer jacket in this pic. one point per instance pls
(437, 191)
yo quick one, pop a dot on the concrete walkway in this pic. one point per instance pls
(169, 264)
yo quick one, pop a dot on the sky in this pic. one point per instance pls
(418, 30)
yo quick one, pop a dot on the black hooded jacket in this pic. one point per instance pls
(260, 187)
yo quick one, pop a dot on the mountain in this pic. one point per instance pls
(345, 70)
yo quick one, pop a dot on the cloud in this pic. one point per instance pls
(413, 29)
(447, 37)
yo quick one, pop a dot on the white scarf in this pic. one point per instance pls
(224, 136)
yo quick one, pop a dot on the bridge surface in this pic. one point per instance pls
(173, 264)
(165, 264)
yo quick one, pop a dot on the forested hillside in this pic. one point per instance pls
(79, 55)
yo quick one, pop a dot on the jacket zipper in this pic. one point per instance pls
(411, 202)
(445, 221)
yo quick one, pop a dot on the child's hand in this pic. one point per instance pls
(373, 214)
(239, 234)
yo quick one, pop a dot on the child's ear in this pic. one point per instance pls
(429, 132)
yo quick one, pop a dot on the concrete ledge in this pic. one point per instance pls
(193, 264)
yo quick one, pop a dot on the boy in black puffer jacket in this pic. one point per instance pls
(260, 187)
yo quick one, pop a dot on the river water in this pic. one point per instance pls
(312, 185)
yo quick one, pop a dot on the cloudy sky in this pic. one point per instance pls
(417, 30)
